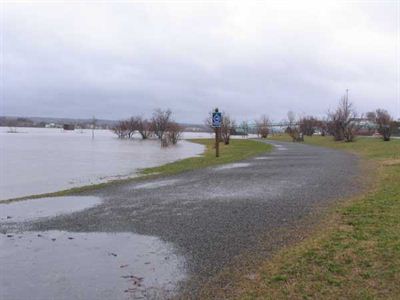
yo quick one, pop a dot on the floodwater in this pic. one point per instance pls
(156, 184)
(29, 210)
(64, 265)
(42, 160)
(232, 166)
(81, 265)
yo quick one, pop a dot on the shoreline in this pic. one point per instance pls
(146, 173)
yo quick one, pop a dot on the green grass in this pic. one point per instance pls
(371, 148)
(236, 150)
(355, 253)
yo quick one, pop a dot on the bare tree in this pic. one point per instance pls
(384, 123)
(164, 141)
(307, 125)
(348, 120)
(131, 126)
(174, 132)
(334, 126)
(262, 127)
(342, 121)
(120, 129)
(160, 121)
(293, 129)
(144, 127)
(227, 128)
(323, 126)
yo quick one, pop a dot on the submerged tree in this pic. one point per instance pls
(174, 132)
(144, 127)
(160, 121)
(120, 129)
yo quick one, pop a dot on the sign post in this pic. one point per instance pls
(216, 123)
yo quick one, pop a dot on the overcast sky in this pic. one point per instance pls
(114, 60)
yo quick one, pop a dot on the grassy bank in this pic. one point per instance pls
(355, 254)
(237, 150)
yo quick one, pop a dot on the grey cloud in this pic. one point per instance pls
(114, 60)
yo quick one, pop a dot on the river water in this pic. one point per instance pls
(42, 160)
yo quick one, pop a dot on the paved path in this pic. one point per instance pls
(214, 214)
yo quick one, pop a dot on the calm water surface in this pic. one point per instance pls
(69, 265)
(41, 160)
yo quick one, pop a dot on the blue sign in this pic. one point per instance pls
(216, 119)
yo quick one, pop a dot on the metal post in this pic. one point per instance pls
(216, 142)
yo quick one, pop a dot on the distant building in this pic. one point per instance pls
(364, 126)
(69, 127)
(50, 125)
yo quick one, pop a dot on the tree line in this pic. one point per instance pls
(161, 126)
(343, 124)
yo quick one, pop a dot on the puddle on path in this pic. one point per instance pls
(156, 184)
(28, 210)
(64, 265)
(232, 166)
(263, 157)
(280, 147)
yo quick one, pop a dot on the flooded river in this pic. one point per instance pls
(41, 160)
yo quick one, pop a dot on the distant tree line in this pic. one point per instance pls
(160, 126)
(53, 122)
(343, 124)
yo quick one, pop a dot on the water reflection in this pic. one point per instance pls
(29, 210)
(62, 265)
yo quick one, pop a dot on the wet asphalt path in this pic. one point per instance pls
(214, 214)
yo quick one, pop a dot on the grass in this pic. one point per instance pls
(236, 150)
(355, 254)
